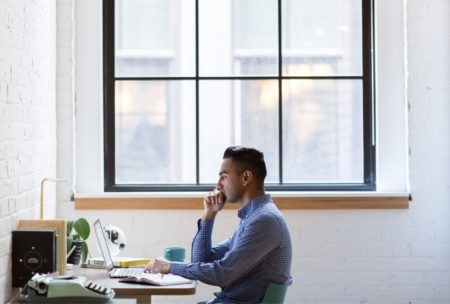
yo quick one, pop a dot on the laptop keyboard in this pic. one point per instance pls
(125, 272)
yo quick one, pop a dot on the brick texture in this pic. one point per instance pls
(27, 117)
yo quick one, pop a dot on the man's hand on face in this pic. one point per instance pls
(213, 203)
(158, 265)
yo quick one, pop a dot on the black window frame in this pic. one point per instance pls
(368, 80)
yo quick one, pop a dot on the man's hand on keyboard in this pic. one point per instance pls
(158, 265)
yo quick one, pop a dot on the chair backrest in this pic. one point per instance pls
(275, 294)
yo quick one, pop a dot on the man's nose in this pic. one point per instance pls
(218, 185)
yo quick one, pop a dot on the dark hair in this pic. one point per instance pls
(248, 159)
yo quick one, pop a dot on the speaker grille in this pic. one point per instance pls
(33, 251)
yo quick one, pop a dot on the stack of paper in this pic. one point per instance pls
(120, 261)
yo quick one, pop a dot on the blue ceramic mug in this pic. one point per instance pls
(175, 254)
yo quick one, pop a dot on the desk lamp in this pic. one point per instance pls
(42, 192)
(58, 225)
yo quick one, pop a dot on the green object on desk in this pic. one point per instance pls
(77, 232)
(72, 289)
(275, 294)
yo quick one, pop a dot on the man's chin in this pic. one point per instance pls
(229, 201)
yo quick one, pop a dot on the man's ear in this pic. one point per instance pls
(247, 177)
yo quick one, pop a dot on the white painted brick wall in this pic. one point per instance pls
(27, 117)
(65, 97)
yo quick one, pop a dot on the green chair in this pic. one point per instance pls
(275, 294)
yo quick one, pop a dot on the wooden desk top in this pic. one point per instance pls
(100, 276)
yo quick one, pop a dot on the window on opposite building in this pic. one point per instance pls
(184, 79)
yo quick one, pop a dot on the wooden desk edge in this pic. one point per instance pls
(170, 290)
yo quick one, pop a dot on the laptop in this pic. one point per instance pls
(113, 272)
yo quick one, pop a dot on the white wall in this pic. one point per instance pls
(27, 118)
(65, 95)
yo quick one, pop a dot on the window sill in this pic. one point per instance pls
(289, 200)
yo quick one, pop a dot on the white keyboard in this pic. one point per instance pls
(125, 272)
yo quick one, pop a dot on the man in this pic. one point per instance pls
(257, 254)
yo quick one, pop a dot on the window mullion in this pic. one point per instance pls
(280, 96)
(197, 101)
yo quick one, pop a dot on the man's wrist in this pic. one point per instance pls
(209, 216)
(166, 268)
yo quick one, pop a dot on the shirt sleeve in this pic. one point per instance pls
(202, 250)
(252, 243)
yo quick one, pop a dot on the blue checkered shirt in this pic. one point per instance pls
(258, 253)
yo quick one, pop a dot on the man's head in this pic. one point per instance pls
(248, 159)
(243, 171)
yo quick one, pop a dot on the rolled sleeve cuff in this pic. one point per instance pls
(178, 268)
(205, 226)
(203, 233)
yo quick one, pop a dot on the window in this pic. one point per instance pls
(184, 79)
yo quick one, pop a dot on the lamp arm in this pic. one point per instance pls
(42, 198)
(41, 204)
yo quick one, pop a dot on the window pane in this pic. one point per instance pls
(322, 32)
(155, 121)
(323, 131)
(237, 113)
(232, 31)
(148, 38)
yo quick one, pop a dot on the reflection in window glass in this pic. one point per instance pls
(323, 131)
(237, 30)
(322, 32)
(133, 16)
(151, 130)
(147, 38)
(227, 82)
(255, 25)
(234, 113)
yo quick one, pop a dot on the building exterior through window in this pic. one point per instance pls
(190, 78)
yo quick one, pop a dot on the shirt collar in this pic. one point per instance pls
(253, 205)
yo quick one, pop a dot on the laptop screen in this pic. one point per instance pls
(103, 245)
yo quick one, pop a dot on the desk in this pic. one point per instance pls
(141, 292)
